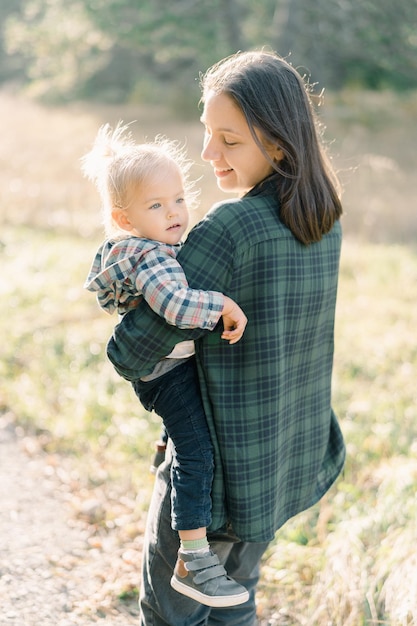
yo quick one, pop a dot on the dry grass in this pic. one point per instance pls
(374, 151)
(351, 559)
(371, 137)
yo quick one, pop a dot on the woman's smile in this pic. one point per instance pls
(221, 173)
(228, 139)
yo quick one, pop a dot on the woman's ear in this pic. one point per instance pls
(121, 218)
(274, 151)
(278, 155)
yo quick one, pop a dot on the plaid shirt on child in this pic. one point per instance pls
(125, 271)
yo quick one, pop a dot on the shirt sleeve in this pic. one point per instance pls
(161, 280)
(143, 338)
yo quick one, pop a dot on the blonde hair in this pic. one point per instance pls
(116, 165)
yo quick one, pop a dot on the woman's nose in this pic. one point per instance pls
(209, 151)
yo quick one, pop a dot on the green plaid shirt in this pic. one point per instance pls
(278, 446)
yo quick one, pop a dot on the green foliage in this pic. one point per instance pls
(371, 44)
(10, 68)
(105, 48)
(63, 47)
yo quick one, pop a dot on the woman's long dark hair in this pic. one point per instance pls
(275, 100)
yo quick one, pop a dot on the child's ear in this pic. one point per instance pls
(121, 218)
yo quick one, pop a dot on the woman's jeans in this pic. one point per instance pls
(176, 398)
(160, 605)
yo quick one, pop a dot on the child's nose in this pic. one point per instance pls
(172, 211)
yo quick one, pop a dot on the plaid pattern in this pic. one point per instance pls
(278, 446)
(124, 271)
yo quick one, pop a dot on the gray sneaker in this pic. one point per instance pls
(203, 579)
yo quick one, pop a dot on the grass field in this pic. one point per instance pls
(350, 560)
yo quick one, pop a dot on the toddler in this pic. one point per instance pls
(145, 191)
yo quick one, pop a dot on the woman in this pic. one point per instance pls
(274, 250)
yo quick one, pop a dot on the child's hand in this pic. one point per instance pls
(234, 321)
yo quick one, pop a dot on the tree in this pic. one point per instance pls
(10, 67)
(113, 48)
(62, 47)
(372, 43)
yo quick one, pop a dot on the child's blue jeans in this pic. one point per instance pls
(175, 397)
(160, 605)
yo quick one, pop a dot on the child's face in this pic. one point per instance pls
(237, 160)
(158, 209)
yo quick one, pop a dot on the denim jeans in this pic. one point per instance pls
(160, 605)
(176, 398)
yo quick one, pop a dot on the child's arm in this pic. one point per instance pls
(163, 284)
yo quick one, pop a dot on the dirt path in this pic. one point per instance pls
(62, 561)
(55, 569)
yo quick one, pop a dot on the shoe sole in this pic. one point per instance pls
(213, 601)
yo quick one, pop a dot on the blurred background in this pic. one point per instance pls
(148, 55)
(68, 67)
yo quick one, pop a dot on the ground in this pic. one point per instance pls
(54, 568)
(68, 556)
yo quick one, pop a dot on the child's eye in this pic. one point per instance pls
(180, 200)
(155, 206)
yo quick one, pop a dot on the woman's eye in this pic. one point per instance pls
(230, 143)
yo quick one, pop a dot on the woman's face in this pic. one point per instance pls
(229, 147)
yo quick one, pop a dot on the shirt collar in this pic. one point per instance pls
(267, 186)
